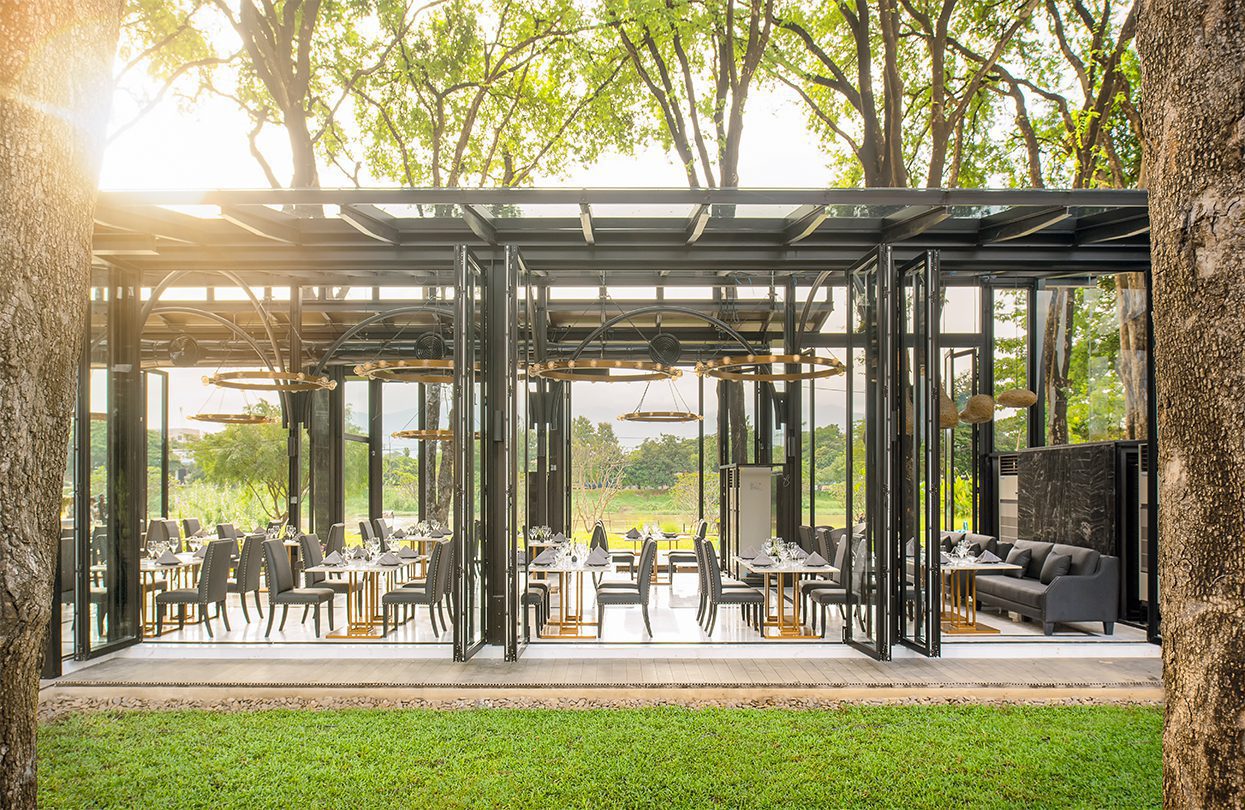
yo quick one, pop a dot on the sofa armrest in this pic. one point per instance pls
(1085, 597)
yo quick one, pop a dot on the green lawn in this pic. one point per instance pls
(934, 757)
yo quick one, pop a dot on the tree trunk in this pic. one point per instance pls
(55, 87)
(1193, 59)
(1056, 360)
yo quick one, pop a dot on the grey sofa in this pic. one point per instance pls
(1089, 592)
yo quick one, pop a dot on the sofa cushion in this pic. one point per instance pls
(1084, 560)
(949, 539)
(1038, 551)
(1018, 556)
(1021, 591)
(1003, 549)
(1056, 565)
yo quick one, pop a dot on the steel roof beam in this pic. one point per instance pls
(263, 221)
(480, 223)
(912, 221)
(802, 222)
(585, 224)
(1111, 225)
(1016, 223)
(697, 222)
(373, 222)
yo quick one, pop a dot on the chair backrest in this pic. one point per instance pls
(174, 534)
(840, 555)
(280, 577)
(713, 574)
(337, 539)
(309, 546)
(214, 578)
(248, 565)
(702, 577)
(226, 531)
(157, 531)
(191, 526)
(365, 529)
(702, 528)
(805, 539)
(599, 538)
(382, 527)
(644, 576)
(441, 570)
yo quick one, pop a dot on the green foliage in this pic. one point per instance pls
(903, 756)
(252, 458)
(656, 463)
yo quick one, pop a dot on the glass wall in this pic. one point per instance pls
(1011, 361)
(400, 488)
(355, 468)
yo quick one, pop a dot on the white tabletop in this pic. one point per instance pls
(799, 567)
(973, 565)
(184, 560)
(566, 567)
(361, 566)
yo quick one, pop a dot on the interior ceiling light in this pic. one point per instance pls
(686, 414)
(232, 418)
(294, 381)
(602, 370)
(750, 367)
(428, 435)
(421, 370)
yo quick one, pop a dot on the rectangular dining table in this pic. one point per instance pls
(182, 574)
(363, 607)
(780, 624)
(570, 621)
(959, 605)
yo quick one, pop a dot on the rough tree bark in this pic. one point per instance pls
(1193, 59)
(55, 86)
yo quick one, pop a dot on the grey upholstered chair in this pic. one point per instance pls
(157, 531)
(212, 590)
(383, 531)
(281, 590)
(746, 598)
(601, 539)
(246, 574)
(839, 594)
(677, 557)
(833, 547)
(630, 593)
(365, 529)
(309, 547)
(191, 526)
(174, 534)
(432, 593)
(702, 574)
(336, 540)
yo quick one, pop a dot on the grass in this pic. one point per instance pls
(966, 756)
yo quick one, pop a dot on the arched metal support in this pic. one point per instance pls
(377, 318)
(654, 308)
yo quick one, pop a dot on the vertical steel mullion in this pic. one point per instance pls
(933, 470)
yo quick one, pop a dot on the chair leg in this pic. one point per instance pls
(181, 617)
(306, 609)
(245, 616)
(207, 620)
(600, 618)
(384, 618)
(700, 610)
(432, 615)
(441, 612)
(223, 610)
(330, 615)
(272, 614)
(258, 609)
(1108, 628)
(713, 618)
(159, 618)
(647, 626)
(285, 611)
(317, 619)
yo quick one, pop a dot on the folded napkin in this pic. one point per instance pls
(201, 552)
(799, 553)
(945, 558)
(334, 559)
(388, 558)
(168, 558)
(762, 560)
(546, 557)
(406, 552)
(669, 535)
(598, 557)
(399, 534)
(633, 534)
(437, 534)
(558, 538)
(748, 553)
(988, 557)
(815, 559)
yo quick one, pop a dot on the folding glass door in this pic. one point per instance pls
(870, 329)
(915, 577)
(469, 599)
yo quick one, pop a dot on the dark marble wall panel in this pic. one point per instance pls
(1067, 495)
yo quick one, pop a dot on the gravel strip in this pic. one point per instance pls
(52, 707)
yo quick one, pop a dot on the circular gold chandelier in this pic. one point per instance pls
(660, 416)
(232, 418)
(747, 368)
(601, 370)
(413, 370)
(294, 381)
(429, 435)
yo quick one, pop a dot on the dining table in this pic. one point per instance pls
(182, 574)
(570, 619)
(779, 623)
(364, 580)
(959, 595)
(672, 539)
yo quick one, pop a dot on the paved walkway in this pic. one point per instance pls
(617, 673)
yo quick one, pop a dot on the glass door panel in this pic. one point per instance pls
(157, 386)
(917, 575)
(468, 446)
(511, 453)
